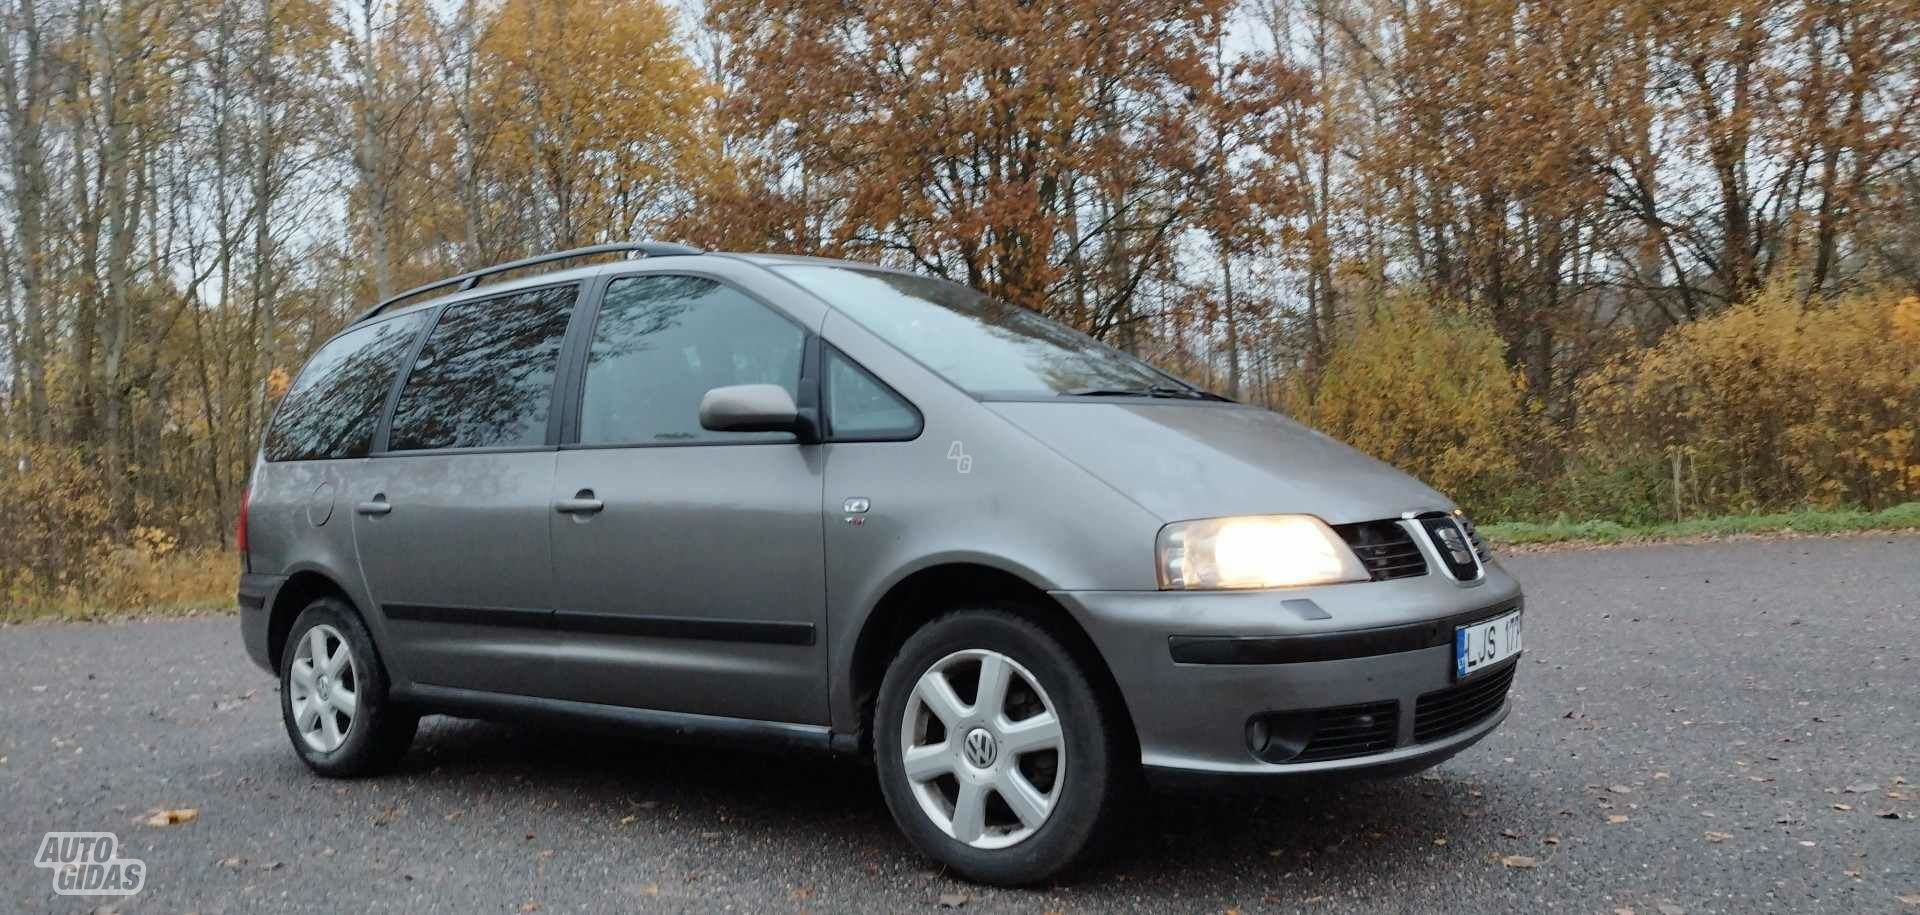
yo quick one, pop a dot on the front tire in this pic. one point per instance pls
(996, 754)
(333, 695)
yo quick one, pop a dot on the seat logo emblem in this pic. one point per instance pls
(981, 748)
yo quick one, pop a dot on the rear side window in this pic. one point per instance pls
(484, 379)
(331, 410)
(662, 342)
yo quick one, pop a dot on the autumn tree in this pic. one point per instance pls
(1049, 153)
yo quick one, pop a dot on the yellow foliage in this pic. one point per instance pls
(61, 554)
(1771, 403)
(278, 380)
(1427, 390)
(610, 126)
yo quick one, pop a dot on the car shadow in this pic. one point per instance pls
(1286, 840)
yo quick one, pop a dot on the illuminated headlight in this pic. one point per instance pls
(1257, 551)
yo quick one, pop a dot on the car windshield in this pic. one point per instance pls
(987, 347)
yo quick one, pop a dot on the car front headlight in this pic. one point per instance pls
(1255, 551)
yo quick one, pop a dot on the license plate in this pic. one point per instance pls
(1483, 645)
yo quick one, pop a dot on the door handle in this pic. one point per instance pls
(378, 505)
(582, 503)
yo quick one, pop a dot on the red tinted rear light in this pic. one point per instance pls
(240, 523)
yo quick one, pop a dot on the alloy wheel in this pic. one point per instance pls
(982, 749)
(323, 686)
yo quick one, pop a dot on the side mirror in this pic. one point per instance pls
(753, 408)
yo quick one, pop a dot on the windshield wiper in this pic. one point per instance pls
(1157, 390)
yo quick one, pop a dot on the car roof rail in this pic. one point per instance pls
(472, 278)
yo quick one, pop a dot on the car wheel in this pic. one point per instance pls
(333, 695)
(996, 753)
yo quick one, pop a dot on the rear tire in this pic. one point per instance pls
(1005, 795)
(333, 695)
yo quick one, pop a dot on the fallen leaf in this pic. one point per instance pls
(1853, 872)
(173, 817)
(1619, 789)
(1805, 843)
(1862, 788)
(1439, 841)
(1616, 819)
(1718, 837)
(1519, 861)
(1512, 833)
(1843, 807)
(628, 819)
(529, 906)
(1913, 899)
(1623, 910)
(232, 862)
(1668, 908)
(271, 865)
(954, 900)
(1551, 840)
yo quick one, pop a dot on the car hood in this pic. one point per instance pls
(1183, 460)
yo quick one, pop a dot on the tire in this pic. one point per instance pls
(1081, 773)
(376, 734)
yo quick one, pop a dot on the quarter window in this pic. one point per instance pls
(330, 412)
(484, 379)
(861, 408)
(662, 342)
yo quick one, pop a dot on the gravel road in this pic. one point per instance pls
(1727, 727)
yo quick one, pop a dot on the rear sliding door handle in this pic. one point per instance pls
(378, 505)
(582, 503)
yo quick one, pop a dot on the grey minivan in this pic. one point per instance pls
(817, 504)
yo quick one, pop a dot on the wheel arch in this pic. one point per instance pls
(928, 592)
(301, 589)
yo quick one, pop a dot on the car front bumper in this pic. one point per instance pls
(1197, 668)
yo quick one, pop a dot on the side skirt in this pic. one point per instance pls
(675, 726)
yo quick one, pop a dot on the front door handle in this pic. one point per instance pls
(378, 505)
(582, 503)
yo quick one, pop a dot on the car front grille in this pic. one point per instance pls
(1352, 730)
(1461, 706)
(1385, 548)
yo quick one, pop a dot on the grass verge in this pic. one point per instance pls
(180, 583)
(1903, 517)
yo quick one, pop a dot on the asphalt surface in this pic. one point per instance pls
(1721, 702)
